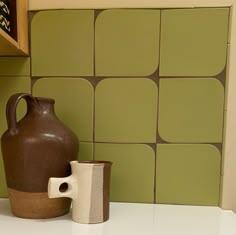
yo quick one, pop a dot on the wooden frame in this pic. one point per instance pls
(17, 43)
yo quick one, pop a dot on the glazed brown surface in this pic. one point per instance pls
(38, 147)
(34, 149)
(106, 190)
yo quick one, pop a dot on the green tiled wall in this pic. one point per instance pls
(14, 66)
(86, 151)
(143, 88)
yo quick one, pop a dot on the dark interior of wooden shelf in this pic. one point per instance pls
(13, 19)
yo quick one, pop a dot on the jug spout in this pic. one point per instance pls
(41, 105)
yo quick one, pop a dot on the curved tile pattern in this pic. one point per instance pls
(74, 102)
(126, 110)
(188, 174)
(127, 42)
(62, 43)
(193, 42)
(191, 110)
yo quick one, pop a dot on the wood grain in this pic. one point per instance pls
(22, 25)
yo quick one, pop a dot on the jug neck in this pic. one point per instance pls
(43, 106)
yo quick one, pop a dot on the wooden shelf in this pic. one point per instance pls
(17, 42)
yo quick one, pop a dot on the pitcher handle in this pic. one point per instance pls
(54, 187)
(11, 109)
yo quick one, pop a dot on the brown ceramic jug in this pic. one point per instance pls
(34, 149)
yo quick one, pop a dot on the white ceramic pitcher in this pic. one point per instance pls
(89, 188)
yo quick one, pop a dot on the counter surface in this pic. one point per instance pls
(129, 219)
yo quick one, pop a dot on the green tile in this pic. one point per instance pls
(14, 66)
(3, 187)
(193, 41)
(126, 110)
(62, 43)
(132, 177)
(191, 110)
(8, 87)
(127, 42)
(85, 151)
(188, 174)
(74, 102)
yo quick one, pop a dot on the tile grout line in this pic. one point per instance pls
(108, 142)
(222, 160)
(94, 120)
(94, 74)
(226, 78)
(158, 102)
(151, 144)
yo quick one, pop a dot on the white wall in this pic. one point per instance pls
(229, 176)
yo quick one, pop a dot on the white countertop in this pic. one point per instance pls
(129, 219)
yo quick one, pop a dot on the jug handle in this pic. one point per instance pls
(54, 187)
(11, 109)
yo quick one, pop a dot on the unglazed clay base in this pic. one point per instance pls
(37, 205)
